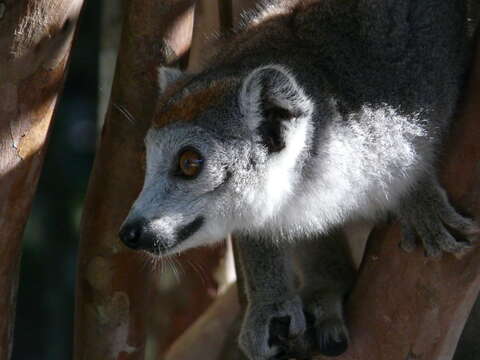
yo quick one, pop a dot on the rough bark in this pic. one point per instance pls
(113, 285)
(35, 42)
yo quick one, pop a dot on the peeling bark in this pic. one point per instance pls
(35, 41)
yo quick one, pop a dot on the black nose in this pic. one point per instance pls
(133, 234)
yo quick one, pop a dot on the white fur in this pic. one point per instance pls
(362, 172)
(265, 10)
(280, 178)
(286, 92)
(367, 163)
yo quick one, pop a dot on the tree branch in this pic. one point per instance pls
(35, 41)
(209, 333)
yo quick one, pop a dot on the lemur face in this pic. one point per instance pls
(187, 174)
(220, 164)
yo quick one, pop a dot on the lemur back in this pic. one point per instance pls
(407, 60)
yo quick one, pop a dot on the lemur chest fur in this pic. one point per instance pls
(362, 166)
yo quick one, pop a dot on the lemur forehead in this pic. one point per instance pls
(188, 107)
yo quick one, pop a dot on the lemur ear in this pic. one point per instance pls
(167, 76)
(270, 98)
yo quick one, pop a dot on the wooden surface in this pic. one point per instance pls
(205, 338)
(35, 42)
(113, 284)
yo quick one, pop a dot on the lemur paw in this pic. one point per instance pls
(439, 226)
(325, 316)
(269, 328)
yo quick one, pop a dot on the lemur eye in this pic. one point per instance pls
(190, 163)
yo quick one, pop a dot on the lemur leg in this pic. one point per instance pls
(268, 277)
(326, 276)
(426, 212)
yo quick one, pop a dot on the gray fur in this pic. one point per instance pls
(167, 76)
(332, 112)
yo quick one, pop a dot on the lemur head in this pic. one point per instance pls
(222, 156)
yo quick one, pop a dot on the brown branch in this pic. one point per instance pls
(113, 283)
(35, 42)
(207, 336)
(406, 306)
(206, 25)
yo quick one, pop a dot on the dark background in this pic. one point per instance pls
(45, 307)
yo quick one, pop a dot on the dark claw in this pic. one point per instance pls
(333, 347)
(281, 356)
(292, 347)
(279, 331)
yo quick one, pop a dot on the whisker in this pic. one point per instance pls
(158, 264)
(179, 265)
(132, 118)
(125, 113)
(146, 260)
(153, 264)
(197, 269)
(128, 115)
(174, 270)
(168, 265)
(162, 269)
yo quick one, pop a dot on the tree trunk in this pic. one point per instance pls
(206, 25)
(35, 42)
(113, 283)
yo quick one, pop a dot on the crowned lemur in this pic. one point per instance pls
(314, 114)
